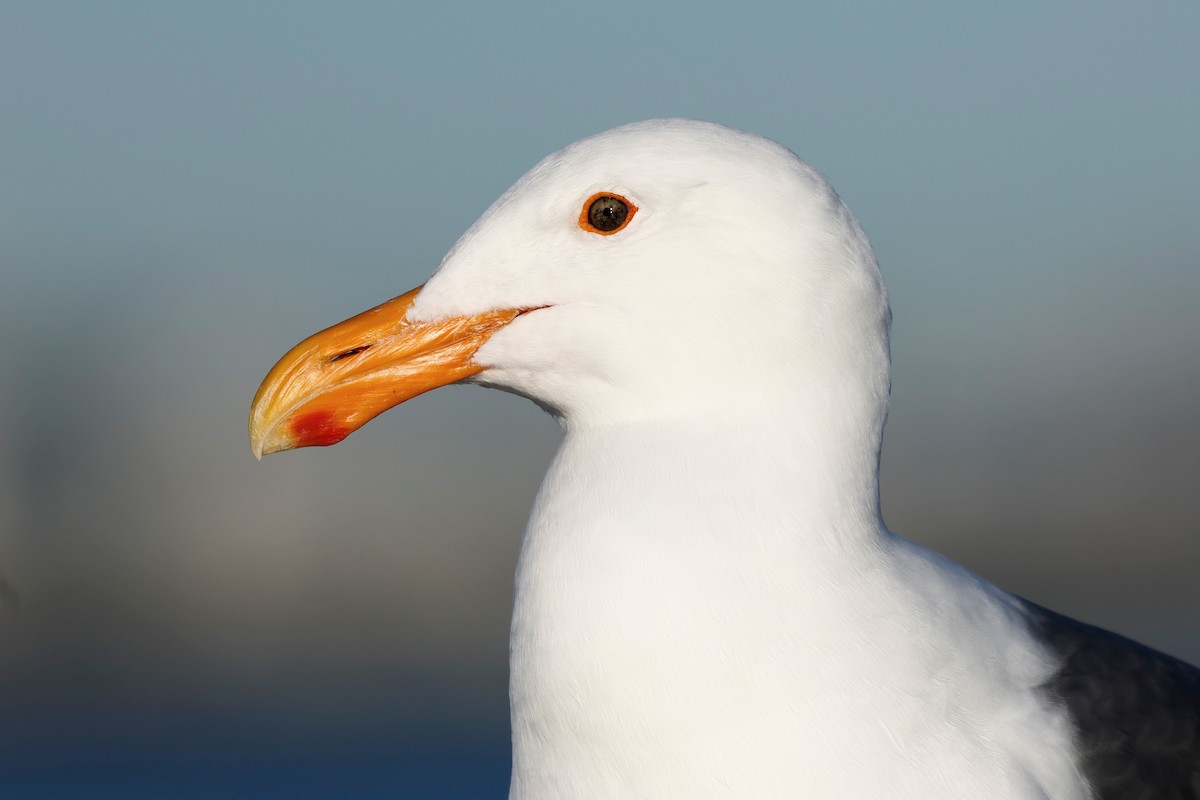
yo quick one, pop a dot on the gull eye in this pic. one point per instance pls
(606, 213)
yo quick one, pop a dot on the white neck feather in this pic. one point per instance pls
(713, 608)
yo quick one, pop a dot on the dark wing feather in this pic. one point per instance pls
(1136, 710)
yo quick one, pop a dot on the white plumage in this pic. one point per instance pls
(707, 601)
(708, 604)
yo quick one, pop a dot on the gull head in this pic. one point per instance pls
(661, 269)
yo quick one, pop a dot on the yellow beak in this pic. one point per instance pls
(338, 380)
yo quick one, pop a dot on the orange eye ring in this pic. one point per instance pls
(606, 213)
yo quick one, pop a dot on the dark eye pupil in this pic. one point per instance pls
(607, 213)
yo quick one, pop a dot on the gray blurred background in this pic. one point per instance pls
(188, 190)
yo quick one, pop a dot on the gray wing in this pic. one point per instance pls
(1136, 710)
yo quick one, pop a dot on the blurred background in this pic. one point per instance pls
(188, 190)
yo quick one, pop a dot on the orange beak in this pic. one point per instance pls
(338, 380)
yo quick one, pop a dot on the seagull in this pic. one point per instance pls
(708, 603)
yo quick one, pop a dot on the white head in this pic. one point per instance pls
(740, 279)
(741, 272)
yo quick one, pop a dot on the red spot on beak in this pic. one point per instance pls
(317, 428)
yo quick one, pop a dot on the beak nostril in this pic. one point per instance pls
(353, 351)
